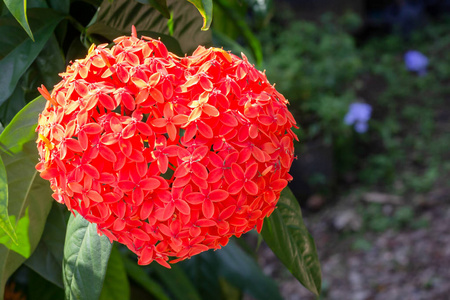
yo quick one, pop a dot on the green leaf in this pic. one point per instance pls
(139, 275)
(27, 190)
(116, 19)
(85, 261)
(17, 61)
(241, 270)
(160, 5)
(170, 24)
(287, 236)
(116, 285)
(5, 223)
(23, 243)
(177, 282)
(205, 7)
(18, 9)
(48, 257)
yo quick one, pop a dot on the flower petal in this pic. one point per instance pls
(235, 187)
(149, 184)
(208, 209)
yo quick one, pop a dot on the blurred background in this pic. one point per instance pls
(368, 82)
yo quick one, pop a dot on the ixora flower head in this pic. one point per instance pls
(168, 155)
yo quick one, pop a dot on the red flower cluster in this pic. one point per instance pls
(168, 155)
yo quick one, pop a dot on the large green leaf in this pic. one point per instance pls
(86, 256)
(241, 270)
(116, 285)
(138, 275)
(48, 257)
(16, 62)
(27, 190)
(205, 7)
(18, 9)
(5, 223)
(22, 246)
(177, 282)
(160, 5)
(287, 236)
(120, 15)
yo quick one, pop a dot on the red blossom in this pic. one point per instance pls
(170, 156)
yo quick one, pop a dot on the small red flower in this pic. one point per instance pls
(170, 156)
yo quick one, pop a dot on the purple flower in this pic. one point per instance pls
(358, 115)
(416, 62)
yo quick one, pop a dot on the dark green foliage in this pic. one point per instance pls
(289, 239)
(306, 62)
(409, 121)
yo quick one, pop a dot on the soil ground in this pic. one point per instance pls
(412, 264)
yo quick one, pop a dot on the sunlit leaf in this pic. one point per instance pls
(18, 9)
(21, 229)
(205, 7)
(86, 256)
(287, 236)
(116, 285)
(27, 190)
(48, 257)
(5, 223)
